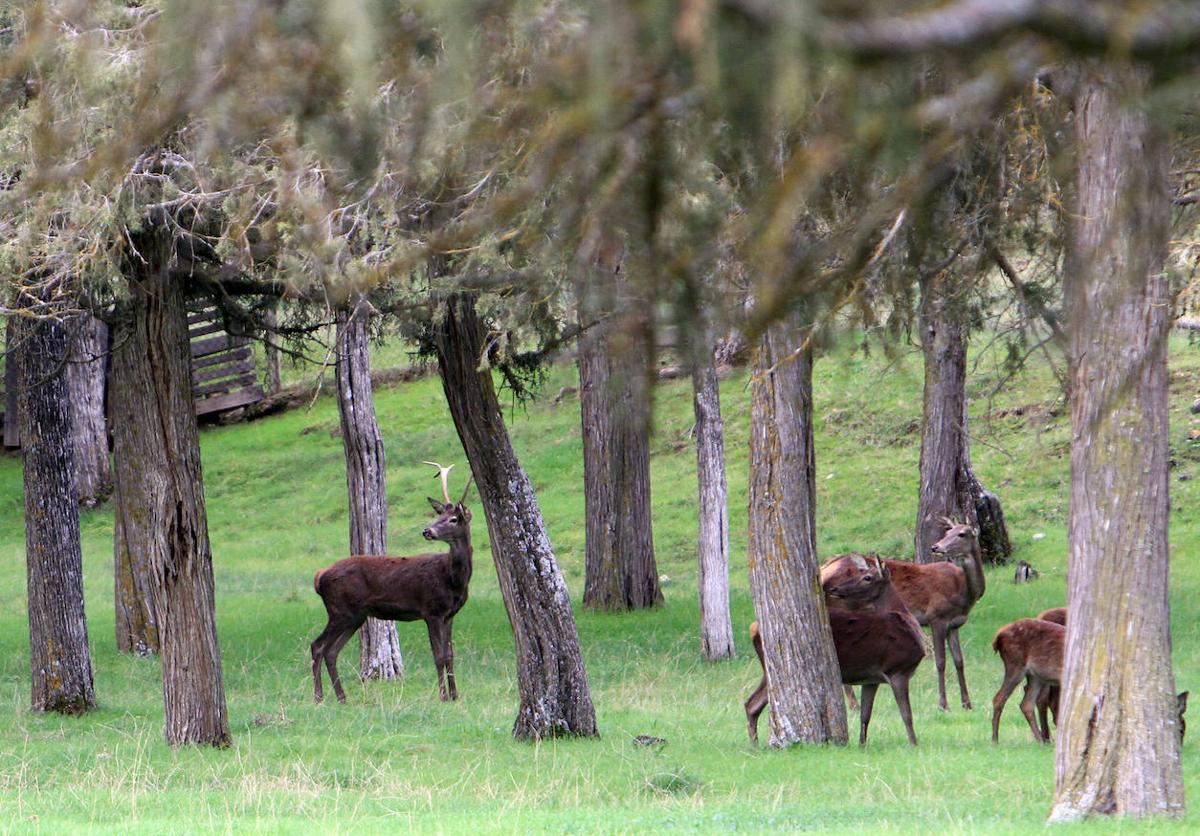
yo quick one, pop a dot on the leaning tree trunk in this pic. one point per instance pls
(1118, 741)
(366, 479)
(86, 377)
(716, 628)
(161, 492)
(550, 673)
(804, 690)
(614, 403)
(949, 487)
(58, 640)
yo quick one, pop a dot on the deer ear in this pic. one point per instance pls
(464, 512)
(437, 506)
(1181, 700)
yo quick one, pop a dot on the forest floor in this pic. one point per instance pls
(396, 758)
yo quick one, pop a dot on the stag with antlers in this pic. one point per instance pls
(428, 587)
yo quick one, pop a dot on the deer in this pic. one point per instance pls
(940, 596)
(876, 643)
(1033, 649)
(428, 587)
(1047, 699)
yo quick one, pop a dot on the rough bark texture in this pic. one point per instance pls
(716, 626)
(58, 640)
(949, 487)
(366, 480)
(1118, 742)
(86, 375)
(614, 403)
(161, 494)
(273, 382)
(804, 691)
(550, 674)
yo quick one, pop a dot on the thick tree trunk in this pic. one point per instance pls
(58, 640)
(614, 403)
(949, 487)
(161, 494)
(1118, 742)
(87, 378)
(550, 673)
(804, 691)
(716, 628)
(366, 480)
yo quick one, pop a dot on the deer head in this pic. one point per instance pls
(959, 543)
(855, 577)
(454, 518)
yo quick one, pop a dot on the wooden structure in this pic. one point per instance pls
(224, 374)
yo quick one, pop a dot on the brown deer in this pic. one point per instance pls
(880, 642)
(432, 587)
(1047, 699)
(1033, 649)
(941, 595)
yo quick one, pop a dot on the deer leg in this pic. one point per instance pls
(1033, 691)
(1043, 706)
(957, 654)
(899, 684)
(850, 700)
(1052, 702)
(318, 653)
(939, 659)
(437, 642)
(754, 707)
(1012, 675)
(332, 649)
(868, 705)
(449, 665)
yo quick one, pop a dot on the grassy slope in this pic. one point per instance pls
(396, 756)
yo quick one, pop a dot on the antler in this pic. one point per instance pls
(470, 479)
(444, 472)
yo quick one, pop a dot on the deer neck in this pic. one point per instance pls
(973, 569)
(889, 600)
(460, 554)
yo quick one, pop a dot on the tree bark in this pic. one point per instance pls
(161, 491)
(87, 376)
(716, 627)
(1118, 741)
(614, 404)
(949, 487)
(550, 674)
(804, 691)
(58, 640)
(366, 480)
(274, 380)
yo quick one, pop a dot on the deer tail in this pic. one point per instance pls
(317, 580)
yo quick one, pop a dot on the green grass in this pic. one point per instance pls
(396, 758)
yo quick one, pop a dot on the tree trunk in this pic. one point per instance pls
(716, 628)
(949, 487)
(366, 479)
(58, 640)
(550, 673)
(614, 403)
(161, 494)
(86, 375)
(273, 356)
(804, 681)
(1118, 741)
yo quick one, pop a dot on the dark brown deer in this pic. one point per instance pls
(430, 587)
(941, 595)
(876, 645)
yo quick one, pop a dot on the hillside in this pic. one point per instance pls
(395, 757)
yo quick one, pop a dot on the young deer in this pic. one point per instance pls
(1033, 649)
(880, 642)
(941, 595)
(432, 587)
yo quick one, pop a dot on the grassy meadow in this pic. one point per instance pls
(396, 758)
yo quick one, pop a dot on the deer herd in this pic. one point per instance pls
(876, 610)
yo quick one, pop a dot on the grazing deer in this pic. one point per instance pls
(432, 587)
(941, 595)
(879, 642)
